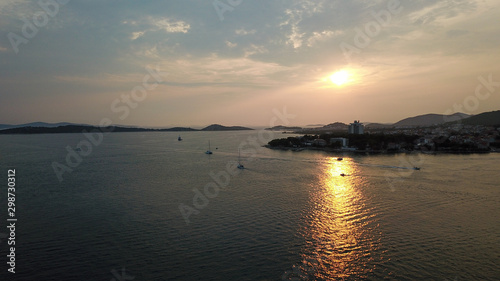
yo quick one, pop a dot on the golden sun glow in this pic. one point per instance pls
(340, 77)
(341, 230)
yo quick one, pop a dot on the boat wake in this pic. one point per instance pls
(391, 167)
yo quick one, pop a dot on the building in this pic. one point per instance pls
(343, 141)
(356, 128)
(319, 142)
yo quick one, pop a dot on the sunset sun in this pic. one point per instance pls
(340, 77)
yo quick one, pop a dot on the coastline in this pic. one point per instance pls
(369, 152)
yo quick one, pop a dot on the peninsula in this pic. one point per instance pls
(428, 133)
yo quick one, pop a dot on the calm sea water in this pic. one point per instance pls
(287, 216)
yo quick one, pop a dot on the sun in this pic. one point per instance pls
(340, 77)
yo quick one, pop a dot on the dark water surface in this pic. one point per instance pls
(287, 216)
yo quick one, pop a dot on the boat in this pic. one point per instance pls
(208, 151)
(416, 168)
(179, 138)
(342, 174)
(239, 161)
(340, 159)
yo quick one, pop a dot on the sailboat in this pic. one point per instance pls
(239, 161)
(179, 138)
(208, 151)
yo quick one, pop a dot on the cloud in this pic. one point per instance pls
(137, 34)
(273, 45)
(231, 45)
(441, 11)
(294, 36)
(322, 36)
(254, 49)
(225, 70)
(17, 8)
(152, 24)
(242, 31)
(171, 26)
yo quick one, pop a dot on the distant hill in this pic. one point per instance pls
(217, 127)
(71, 129)
(48, 128)
(335, 126)
(37, 124)
(429, 120)
(378, 126)
(283, 128)
(486, 119)
(178, 129)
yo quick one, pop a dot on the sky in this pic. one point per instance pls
(236, 62)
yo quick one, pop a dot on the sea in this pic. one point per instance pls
(146, 207)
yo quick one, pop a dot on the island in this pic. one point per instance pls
(217, 127)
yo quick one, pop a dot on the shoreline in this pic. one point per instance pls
(384, 152)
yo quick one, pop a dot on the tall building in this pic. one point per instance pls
(356, 128)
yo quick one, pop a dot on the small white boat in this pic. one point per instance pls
(208, 151)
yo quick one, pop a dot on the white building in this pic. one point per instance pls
(343, 141)
(356, 128)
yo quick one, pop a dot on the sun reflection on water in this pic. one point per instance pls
(341, 235)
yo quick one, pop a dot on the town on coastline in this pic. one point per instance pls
(428, 133)
(338, 137)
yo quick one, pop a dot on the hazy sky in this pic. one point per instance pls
(234, 61)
